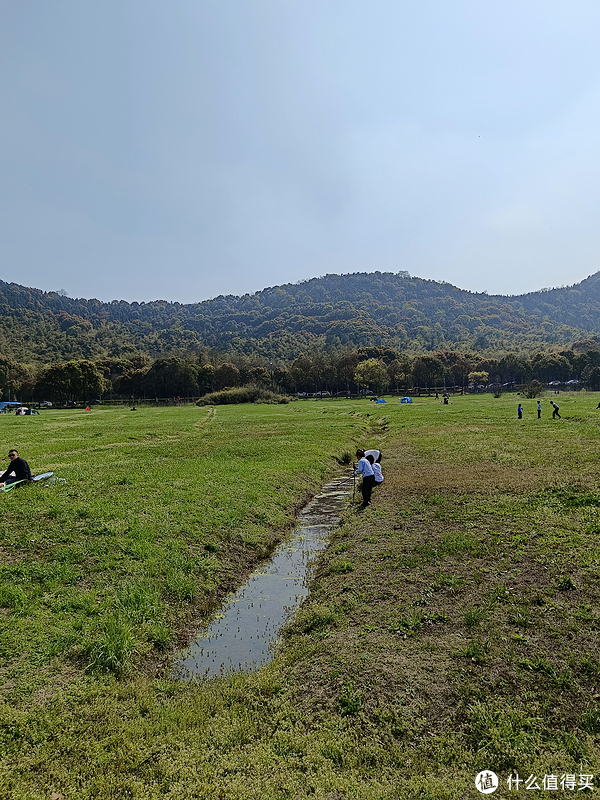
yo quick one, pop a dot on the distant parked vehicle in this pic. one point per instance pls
(323, 394)
(301, 394)
(572, 383)
(365, 391)
(554, 383)
(45, 404)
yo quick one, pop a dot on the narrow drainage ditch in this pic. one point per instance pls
(241, 636)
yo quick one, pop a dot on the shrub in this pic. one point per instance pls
(533, 389)
(243, 394)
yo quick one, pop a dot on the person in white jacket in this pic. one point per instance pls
(365, 469)
(378, 473)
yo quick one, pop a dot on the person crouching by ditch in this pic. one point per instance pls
(555, 412)
(376, 470)
(368, 476)
(18, 467)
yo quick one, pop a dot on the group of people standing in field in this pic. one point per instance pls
(555, 413)
(369, 467)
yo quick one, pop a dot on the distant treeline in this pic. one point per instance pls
(375, 368)
(338, 333)
(333, 314)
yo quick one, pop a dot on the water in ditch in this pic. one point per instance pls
(242, 635)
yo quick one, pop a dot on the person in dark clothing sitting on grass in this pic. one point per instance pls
(18, 467)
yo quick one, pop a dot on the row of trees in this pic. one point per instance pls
(375, 368)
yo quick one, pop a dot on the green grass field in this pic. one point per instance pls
(452, 627)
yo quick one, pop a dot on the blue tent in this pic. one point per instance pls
(381, 401)
(4, 404)
(406, 399)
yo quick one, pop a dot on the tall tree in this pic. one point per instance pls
(399, 371)
(300, 373)
(169, 377)
(428, 371)
(346, 367)
(226, 376)
(372, 374)
(72, 380)
(13, 377)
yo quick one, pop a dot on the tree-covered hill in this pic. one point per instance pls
(355, 310)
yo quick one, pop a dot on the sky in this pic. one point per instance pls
(183, 149)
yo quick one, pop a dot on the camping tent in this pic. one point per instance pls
(406, 399)
(6, 406)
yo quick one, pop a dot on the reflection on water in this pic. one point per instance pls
(240, 637)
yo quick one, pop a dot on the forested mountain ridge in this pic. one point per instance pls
(355, 310)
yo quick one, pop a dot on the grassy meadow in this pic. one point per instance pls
(452, 627)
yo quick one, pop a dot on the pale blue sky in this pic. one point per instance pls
(188, 148)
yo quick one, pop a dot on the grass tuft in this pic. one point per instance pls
(114, 651)
(310, 618)
(473, 617)
(12, 597)
(566, 584)
(590, 720)
(521, 616)
(341, 567)
(349, 700)
(477, 650)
